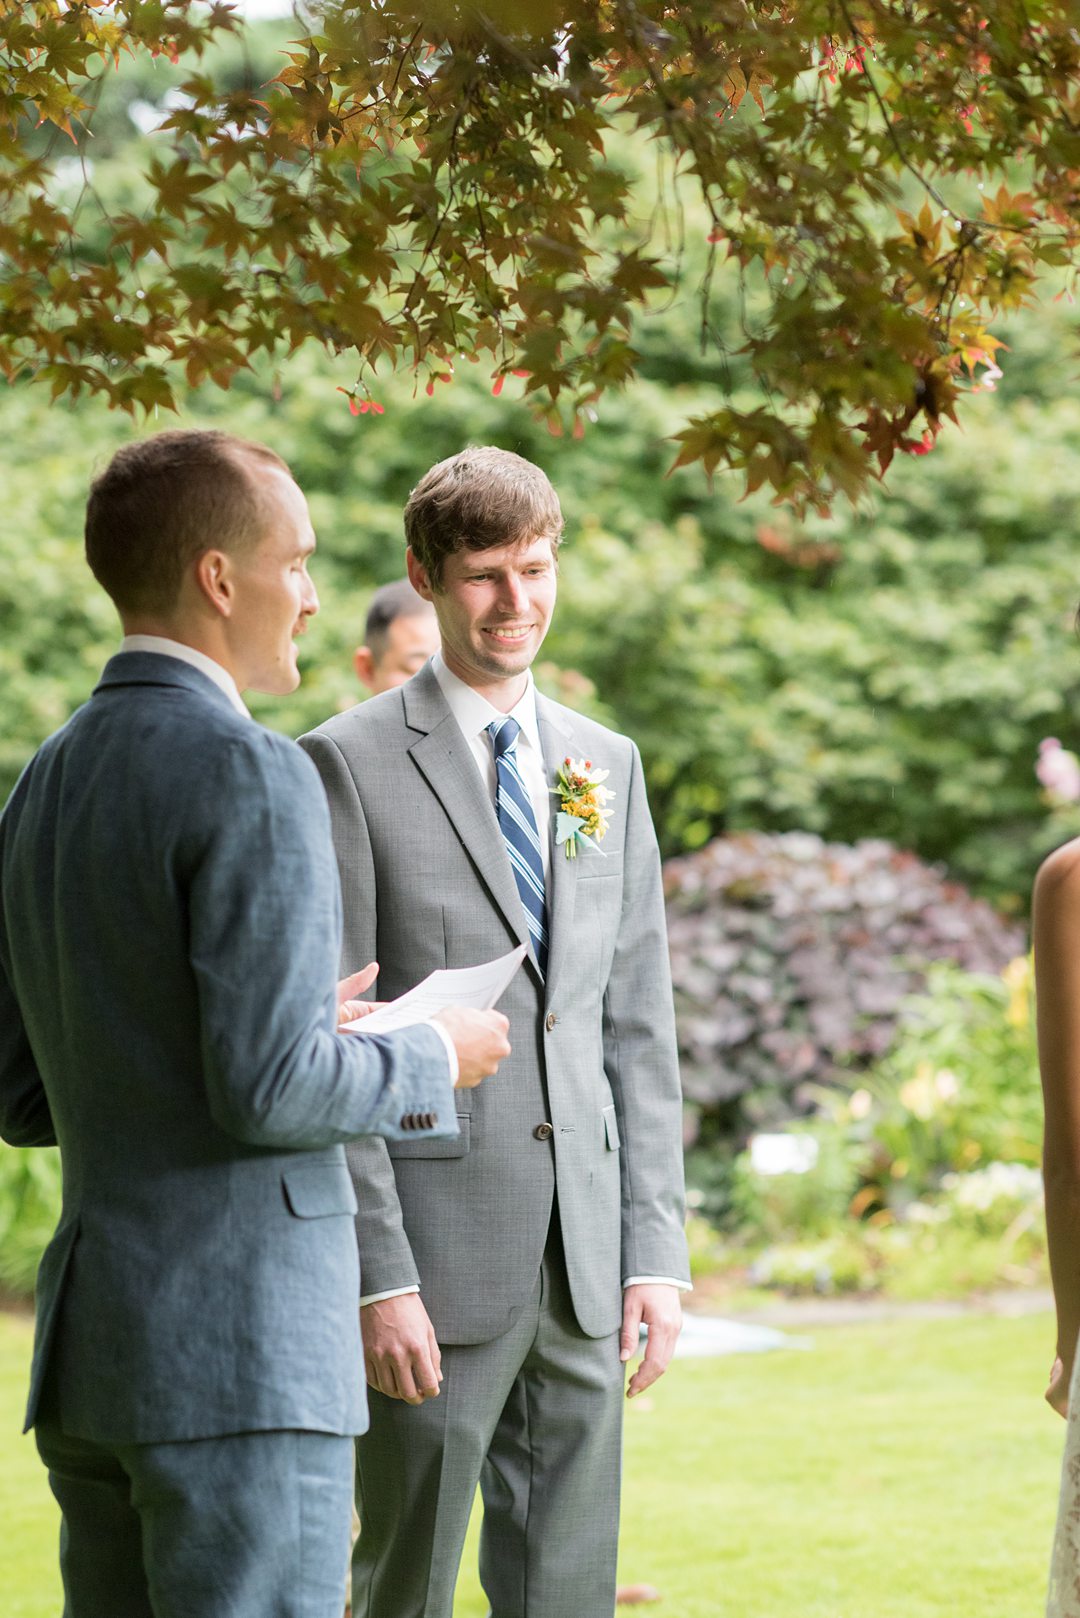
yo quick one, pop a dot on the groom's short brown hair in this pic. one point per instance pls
(164, 500)
(476, 500)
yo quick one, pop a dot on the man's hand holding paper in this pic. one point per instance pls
(460, 1001)
(350, 1010)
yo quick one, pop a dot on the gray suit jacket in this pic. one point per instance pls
(170, 929)
(427, 883)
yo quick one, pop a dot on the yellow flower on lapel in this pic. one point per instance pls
(582, 817)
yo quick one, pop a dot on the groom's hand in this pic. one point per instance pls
(401, 1356)
(349, 1009)
(660, 1308)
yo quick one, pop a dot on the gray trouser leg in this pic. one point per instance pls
(534, 1417)
(550, 1484)
(255, 1525)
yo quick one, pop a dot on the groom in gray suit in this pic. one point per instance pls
(170, 924)
(507, 1271)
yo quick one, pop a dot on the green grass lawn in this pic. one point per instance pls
(900, 1470)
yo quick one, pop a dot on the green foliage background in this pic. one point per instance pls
(886, 672)
(900, 691)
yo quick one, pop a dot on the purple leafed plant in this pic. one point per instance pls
(791, 956)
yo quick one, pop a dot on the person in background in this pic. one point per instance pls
(402, 632)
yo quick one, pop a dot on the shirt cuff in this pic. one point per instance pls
(658, 1281)
(394, 1292)
(451, 1056)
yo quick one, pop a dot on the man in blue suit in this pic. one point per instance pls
(170, 926)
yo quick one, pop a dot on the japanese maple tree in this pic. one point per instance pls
(424, 182)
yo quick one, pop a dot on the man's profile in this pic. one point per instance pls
(169, 933)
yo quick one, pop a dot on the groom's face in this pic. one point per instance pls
(494, 607)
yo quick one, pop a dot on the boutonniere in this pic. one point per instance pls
(582, 817)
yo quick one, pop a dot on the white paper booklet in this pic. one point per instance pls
(476, 986)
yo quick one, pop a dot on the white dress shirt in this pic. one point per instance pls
(474, 713)
(188, 654)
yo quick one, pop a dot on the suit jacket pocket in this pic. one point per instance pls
(456, 1146)
(599, 868)
(611, 1128)
(316, 1190)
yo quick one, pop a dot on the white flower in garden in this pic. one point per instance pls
(980, 1189)
(860, 1103)
(946, 1084)
(1058, 772)
(783, 1154)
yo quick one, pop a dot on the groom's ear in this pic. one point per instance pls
(418, 575)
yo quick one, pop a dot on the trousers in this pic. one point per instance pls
(254, 1525)
(534, 1418)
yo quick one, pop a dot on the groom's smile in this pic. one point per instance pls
(494, 607)
(510, 637)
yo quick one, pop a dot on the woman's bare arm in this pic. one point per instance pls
(1056, 928)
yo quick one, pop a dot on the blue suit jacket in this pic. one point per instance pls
(170, 928)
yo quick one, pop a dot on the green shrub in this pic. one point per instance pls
(808, 1204)
(921, 1182)
(888, 672)
(959, 1089)
(837, 1263)
(1003, 1199)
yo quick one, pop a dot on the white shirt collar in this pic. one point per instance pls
(188, 654)
(474, 713)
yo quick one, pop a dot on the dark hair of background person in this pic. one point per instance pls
(476, 500)
(164, 500)
(391, 601)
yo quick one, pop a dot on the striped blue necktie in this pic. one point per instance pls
(518, 825)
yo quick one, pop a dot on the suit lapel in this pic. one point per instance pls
(562, 883)
(442, 756)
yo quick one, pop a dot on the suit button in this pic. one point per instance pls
(550, 1020)
(543, 1132)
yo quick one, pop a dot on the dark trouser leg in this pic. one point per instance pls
(101, 1558)
(255, 1525)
